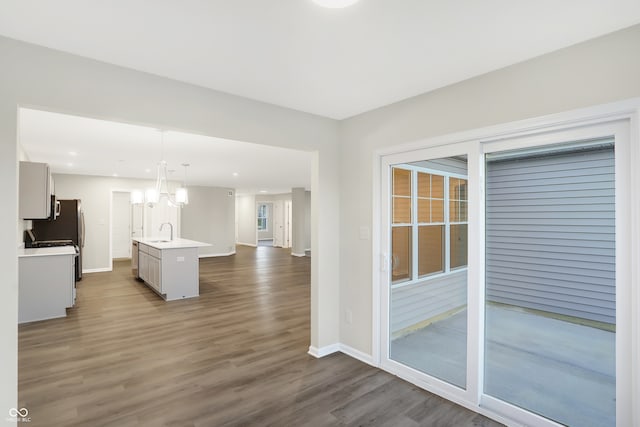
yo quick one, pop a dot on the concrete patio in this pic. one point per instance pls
(560, 370)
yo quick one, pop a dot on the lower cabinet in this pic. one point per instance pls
(173, 273)
(46, 286)
(150, 266)
(155, 273)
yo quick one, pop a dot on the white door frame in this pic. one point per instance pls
(618, 119)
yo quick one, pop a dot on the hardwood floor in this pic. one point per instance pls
(234, 356)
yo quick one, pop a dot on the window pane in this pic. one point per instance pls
(427, 316)
(458, 246)
(401, 210)
(424, 210)
(437, 186)
(430, 249)
(401, 254)
(424, 184)
(550, 288)
(401, 182)
(437, 210)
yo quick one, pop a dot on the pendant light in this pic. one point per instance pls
(182, 195)
(152, 195)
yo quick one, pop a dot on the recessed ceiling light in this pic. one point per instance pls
(335, 4)
(147, 170)
(115, 175)
(69, 164)
(235, 174)
(263, 191)
(73, 153)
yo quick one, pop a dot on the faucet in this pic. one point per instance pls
(170, 226)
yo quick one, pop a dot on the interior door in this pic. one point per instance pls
(137, 220)
(121, 226)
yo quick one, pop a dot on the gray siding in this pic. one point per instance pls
(550, 233)
(447, 164)
(413, 304)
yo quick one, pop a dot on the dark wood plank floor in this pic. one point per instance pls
(234, 356)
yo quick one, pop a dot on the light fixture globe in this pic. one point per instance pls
(335, 4)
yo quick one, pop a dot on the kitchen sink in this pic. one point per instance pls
(159, 241)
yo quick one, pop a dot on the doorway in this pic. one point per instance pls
(121, 219)
(265, 224)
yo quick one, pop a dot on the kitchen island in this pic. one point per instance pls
(169, 267)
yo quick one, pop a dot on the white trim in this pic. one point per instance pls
(298, 255)
(216, 255)
(357, 354)
(262, 240)
(324, 351)
(574, 118)
(247, 244)
(96, 270)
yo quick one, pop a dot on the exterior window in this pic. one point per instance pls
(263, 215)
(429, 223)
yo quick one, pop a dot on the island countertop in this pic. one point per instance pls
(160, 243)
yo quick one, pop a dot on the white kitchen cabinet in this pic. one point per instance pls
(46, 283)
(155, 274)
(36, 189)
(170, 268)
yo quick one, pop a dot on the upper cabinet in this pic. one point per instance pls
(36, 191)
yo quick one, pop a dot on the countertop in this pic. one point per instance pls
(160, 243)
(57, 250)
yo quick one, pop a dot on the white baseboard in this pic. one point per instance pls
(247, 244)
(298, 255)
(357, 354)
(216, 255)
(343, 348)
(96, 270)
(324, 351)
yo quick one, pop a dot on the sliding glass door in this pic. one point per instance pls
(506, 283)
(550, 286)
(428, 296)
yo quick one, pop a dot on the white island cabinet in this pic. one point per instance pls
(170, 268)
(47, 283)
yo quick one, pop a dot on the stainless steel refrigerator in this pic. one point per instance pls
(68, 225)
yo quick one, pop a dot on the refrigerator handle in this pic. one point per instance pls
(82, 229)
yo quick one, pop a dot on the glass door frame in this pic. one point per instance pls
(438, 386)
(624, 128)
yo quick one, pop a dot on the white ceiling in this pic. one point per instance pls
(293, 53)
(107, 148)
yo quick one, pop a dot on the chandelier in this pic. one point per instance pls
(153, 195)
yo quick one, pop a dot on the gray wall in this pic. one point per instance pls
(43, 78)
(298, 221)
(209, 217)
(95, 193)
(603, 70)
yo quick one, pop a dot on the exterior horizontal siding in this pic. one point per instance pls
(416, 303)
(550, 233)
